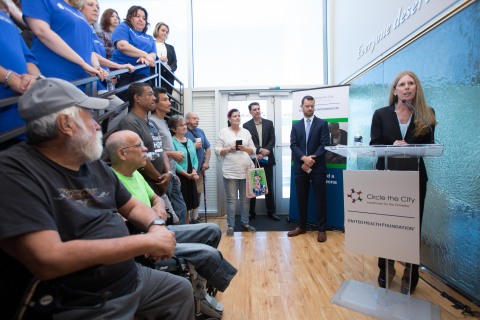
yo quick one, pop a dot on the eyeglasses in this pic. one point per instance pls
(139, 145)
(182, 125)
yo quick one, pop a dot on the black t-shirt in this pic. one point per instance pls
(38, 194)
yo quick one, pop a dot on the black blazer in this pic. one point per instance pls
(268, 138)
(318, 139)
(171, 57)
(386, 129)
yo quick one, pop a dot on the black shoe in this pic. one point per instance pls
(274, 217)
(382, 282)
(253, 215)
(409, 284)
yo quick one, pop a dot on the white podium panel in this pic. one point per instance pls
(382, 214)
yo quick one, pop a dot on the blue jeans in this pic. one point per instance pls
(235, 192)
(197, 243)
(175, 195)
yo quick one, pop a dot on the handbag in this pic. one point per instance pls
(256, 182)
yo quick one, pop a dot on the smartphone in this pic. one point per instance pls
(238, 143)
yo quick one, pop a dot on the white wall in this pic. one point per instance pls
(362, 32)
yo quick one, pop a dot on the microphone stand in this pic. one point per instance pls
(411, 107)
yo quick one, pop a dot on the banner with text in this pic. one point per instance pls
(382, 214)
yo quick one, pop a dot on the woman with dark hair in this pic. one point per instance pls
(133, 45)
(186, 169)
(235, 146)
(108, 23)
(166, 54)
(396, 124)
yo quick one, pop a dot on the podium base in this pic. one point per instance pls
(383, 304)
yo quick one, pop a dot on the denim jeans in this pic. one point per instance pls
(235, 192)
(175, 195)
(197, 243)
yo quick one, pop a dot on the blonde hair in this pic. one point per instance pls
(418, 102)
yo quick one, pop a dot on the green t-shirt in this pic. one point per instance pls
(137, 186)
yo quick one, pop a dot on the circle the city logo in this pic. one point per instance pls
(355, 195)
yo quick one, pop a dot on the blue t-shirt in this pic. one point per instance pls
(205, 144)
(139, 40)
(14, 56)
(70, 25)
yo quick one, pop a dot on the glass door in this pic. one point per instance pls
(277, 108)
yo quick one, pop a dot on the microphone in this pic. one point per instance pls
(411, 107)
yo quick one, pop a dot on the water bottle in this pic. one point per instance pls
(357, 139)
(110, 85)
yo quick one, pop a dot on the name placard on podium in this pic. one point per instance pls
(382, 214)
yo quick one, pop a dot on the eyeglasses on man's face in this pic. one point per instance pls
(138, 145)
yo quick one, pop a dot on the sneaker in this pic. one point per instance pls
(230, 232)
(248, 228)
(208, 310)
(214, 303)
(195, 221)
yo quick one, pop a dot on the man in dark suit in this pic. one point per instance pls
(308, 140)
(263, 136)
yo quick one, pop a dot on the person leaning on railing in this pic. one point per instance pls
(18, 71)
(63, 42)
(133, 45)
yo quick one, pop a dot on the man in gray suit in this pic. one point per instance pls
(263, 136)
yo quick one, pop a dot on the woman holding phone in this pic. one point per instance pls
(235, 147)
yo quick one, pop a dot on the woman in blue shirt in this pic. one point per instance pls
(63, 42)
(133, 45)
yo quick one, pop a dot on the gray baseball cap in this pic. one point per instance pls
(50, 95)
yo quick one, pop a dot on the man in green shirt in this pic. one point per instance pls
(196, 243)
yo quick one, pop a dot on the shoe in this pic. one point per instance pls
(209, 310)
(274, 217)
(381, 276)
(295, 232)
(248, 228)
(252, 215)
(230, 231)
(322, 236)
(409, 284)
(195, 221)
(214, 303)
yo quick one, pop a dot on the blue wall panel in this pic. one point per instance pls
(447, 61)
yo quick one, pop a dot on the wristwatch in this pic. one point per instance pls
(157, 222)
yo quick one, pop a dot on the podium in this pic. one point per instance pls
(382, 220)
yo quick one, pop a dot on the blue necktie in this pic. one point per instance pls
(307, 131)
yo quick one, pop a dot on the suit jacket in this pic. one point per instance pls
(268, 138)
(386, 129)
(172, 57)
(318, 139)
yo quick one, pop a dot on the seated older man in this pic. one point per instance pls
(127, 154)
(59, 217)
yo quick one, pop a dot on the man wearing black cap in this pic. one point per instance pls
(60, 221)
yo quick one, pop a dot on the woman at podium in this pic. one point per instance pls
(406, 120)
